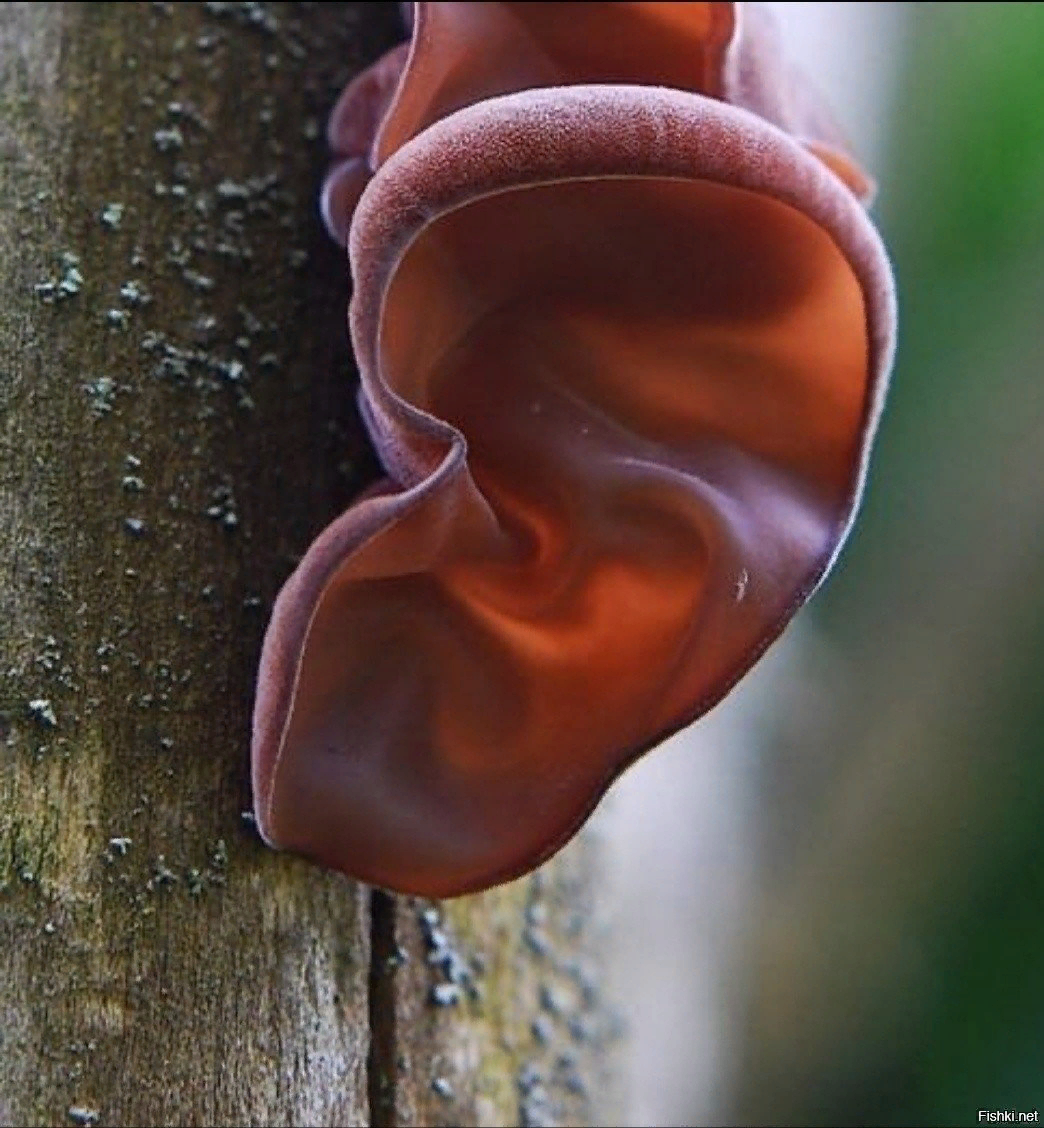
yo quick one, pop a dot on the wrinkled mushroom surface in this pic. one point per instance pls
(623, 330)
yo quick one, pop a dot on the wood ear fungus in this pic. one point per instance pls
(623, 330)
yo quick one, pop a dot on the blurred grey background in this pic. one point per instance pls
(835, 882)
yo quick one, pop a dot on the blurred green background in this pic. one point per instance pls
(894, 964)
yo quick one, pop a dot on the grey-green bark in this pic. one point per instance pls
(176, 423)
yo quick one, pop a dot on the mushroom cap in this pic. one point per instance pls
(622, 348)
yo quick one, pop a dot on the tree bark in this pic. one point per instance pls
(176, 423)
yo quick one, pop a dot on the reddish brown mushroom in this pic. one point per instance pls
(623, 330)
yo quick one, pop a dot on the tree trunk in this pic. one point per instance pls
(176, 423)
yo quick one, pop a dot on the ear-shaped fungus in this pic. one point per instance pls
(623, 330)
